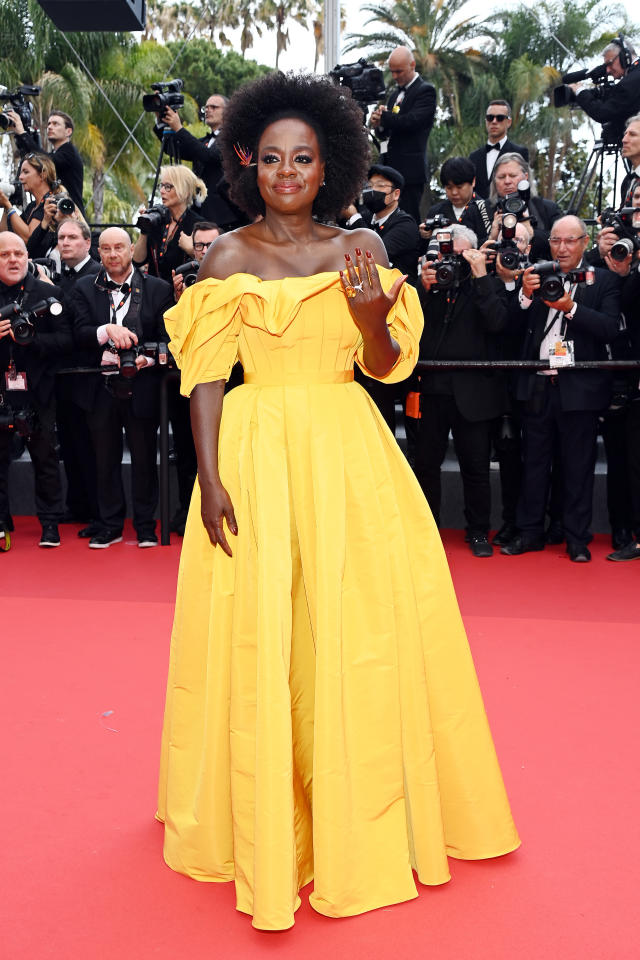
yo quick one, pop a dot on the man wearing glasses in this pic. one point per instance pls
(206, 158)
(203, 234)
(561, 405)
(613, 103)
(498, 122)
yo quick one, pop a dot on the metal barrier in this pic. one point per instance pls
(422, 365)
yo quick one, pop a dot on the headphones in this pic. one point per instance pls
(625, 55)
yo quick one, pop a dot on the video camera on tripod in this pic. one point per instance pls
(17, 100)
(363, 78)
(167, 94)
(626, 224)
(23, 322)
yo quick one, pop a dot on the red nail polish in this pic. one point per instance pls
(358, 252)
(347, 258)
(369, 254)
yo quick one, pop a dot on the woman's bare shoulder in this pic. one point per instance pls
(229, 253)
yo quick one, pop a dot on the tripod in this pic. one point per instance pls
(592, 168)
(170, 147)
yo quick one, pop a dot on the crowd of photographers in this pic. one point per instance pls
(501, 272)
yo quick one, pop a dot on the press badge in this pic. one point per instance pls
(15, 381)
(561, 354)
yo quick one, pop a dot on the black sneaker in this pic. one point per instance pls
(50, 535)
(103, 540)
(148, 540)
(480, 546)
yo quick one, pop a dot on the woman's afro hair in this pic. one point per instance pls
(328, 108)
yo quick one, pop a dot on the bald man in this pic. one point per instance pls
(562, 405)
(123, 307)
(27, 381)
(403, 127)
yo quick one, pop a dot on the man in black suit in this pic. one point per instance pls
(562, 405)
(509, 171)
(27, 372)
(463, 322)
(122, 306)
(405, 123)
(74, 243)
(457, 176)
(498, 122)
(611, 104)
(206, 158)
(67, 160)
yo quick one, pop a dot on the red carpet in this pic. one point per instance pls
(85, 639)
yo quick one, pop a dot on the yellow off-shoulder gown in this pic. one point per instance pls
(323, 718)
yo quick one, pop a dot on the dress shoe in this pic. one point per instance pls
(507, 532)
(630, 552)
(92, 530)
(104, 539)
(554, 534)
(480, 546)
(578, 553)
(520, 545)
(50, 535)
(621, 537)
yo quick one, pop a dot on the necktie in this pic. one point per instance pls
(492, 146)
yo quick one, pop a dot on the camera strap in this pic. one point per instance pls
(132, 318)
(482, 207)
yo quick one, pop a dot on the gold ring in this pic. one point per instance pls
(350, 292)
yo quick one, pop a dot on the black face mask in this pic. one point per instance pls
(374, 200)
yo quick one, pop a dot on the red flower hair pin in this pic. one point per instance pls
(243, 155)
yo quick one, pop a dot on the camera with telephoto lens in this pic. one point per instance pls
(363, 78)
(507, 248)
(517, 202)
(452, 269)
(23, 322)
(167, 94)
(626, 224)
(553, 279)
(22, 421)
(16, 100)
(65, 205)
(188, 272)
(49, 268)
(154, 219)
(13, 188)
(438, 222)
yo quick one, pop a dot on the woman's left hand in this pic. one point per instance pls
(368, 302)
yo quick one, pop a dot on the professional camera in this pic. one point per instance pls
(65, 205)
(127, 357)
(507, 248)
(452, 269)
(17, 100)
(563, 95)
(153, 221)
(23, 321)
(188, 272)
(49, 268)
(553, 279)
(167, 95)
(22, 420)
(364, 79)
(436, 223)
(626, 223)
(517, 202)
(13, 188)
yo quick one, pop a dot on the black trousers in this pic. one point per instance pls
(106, 423)
(619, 495)
(633, 461)
(44, 457)
(472, 443)
(183, 445)
(410, 199)
(76, 449)
(506, 437)
(575, 431)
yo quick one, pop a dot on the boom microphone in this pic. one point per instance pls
(598, 73)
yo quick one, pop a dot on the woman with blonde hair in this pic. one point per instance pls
(161, 244)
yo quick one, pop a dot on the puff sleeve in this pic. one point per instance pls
(405, 322)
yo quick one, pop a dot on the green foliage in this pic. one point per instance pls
(205, 69)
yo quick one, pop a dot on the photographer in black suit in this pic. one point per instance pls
(462, 323)
(511, 169)
(405, 122)
(562, 404)
(122, 306)
(611, 104)
(457, 176)
(498, 122)
(206, 158)
(28, 373)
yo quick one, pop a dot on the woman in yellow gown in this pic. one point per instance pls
(323, 717)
